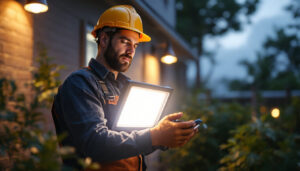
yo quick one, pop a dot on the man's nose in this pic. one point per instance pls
(130, 50)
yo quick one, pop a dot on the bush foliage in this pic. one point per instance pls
(25, 144)
(233, 141)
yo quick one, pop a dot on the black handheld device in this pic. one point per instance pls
(199, 123)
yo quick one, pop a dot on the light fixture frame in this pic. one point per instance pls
(37, 1)
(123, 100)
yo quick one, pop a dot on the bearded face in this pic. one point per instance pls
(120, 50)
(117, 62)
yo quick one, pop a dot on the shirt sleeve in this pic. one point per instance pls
(83, 114)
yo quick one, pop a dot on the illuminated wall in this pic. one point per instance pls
(152, 70)
(16, 42)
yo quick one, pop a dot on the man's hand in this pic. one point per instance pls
(172, 134)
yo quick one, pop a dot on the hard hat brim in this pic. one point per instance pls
(144, 38)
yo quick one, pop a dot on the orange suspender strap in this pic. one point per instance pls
(109, 99)
(140, 163)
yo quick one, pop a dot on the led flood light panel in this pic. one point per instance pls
(142, 106)
(139, 99)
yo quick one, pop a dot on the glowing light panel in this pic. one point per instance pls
(143, 107)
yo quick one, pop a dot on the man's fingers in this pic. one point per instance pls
(174, 116)
(185, 132)
(185, 139)
(186, 136)
(185, 125)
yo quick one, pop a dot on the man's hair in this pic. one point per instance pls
(110, 31)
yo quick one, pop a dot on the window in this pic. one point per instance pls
(91, 45)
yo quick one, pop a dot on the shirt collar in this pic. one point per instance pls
(103, 72)
(98, 68)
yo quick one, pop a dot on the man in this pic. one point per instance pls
(84, 107)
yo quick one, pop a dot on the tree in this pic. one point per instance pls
(281, 50)
(277, 66)
(197, 19)
(268, 143)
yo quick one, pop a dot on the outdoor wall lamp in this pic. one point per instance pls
(36, 6)
(169, 56)
(141, 106)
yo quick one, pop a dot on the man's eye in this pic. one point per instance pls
(124, 41)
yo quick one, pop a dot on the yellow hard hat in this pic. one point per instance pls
(122, 16)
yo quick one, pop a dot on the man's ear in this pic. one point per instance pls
(104, 40)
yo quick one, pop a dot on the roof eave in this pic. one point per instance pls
(168, 30)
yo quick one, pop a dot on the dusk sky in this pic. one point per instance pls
(235, 46)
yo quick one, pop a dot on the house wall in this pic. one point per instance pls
(16, 43)
(62, 31)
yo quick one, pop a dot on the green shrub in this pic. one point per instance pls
(25, 145)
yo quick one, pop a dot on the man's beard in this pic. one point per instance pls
(113, 60)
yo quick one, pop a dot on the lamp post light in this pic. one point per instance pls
(36, 6)
(275, 112)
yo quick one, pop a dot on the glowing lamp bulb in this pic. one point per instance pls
(36, 8)
(169, 59)
(275, 113)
